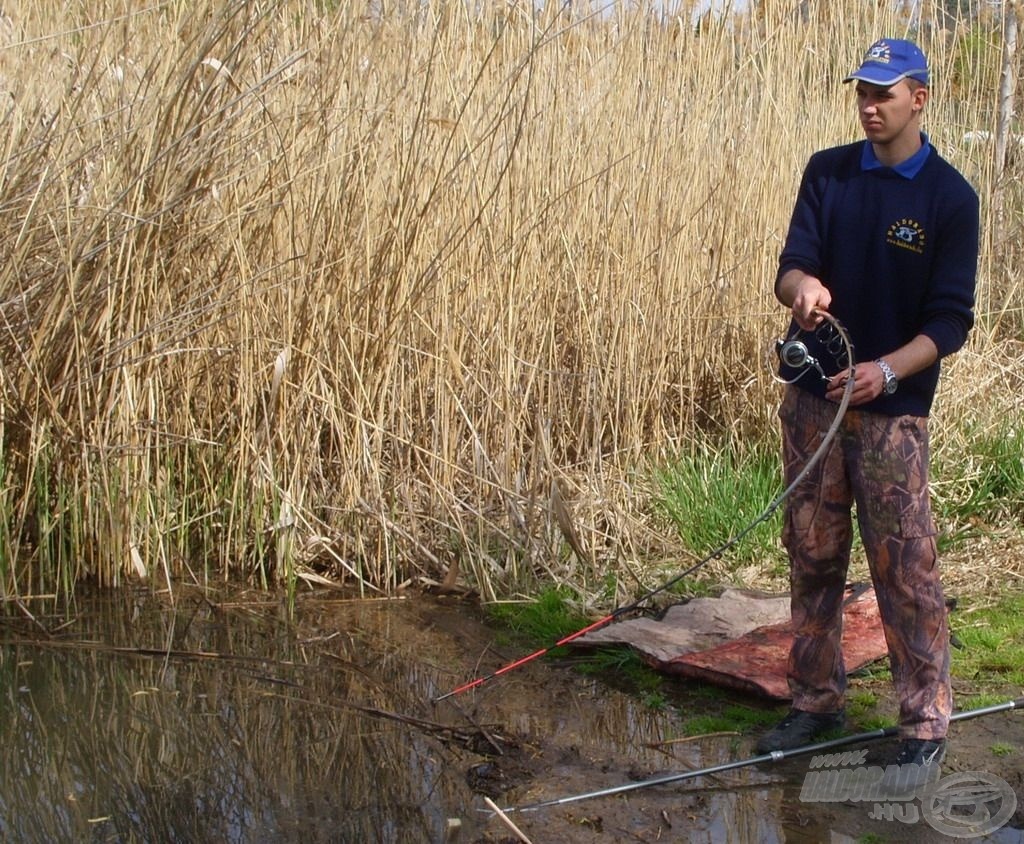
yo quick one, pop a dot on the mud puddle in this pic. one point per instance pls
(134, 718)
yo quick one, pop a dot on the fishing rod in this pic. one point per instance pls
(793, 353)
(774, 756)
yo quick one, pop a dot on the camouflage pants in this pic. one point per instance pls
(881, 464)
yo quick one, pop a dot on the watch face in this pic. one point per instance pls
(890, 386)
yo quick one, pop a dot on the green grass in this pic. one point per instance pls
(981, 485)
(694, 587)
(874, 721)
(992, 655)
(711, 495)
(1002, 748)
(541, 622)
(874, 671)
(622, 665)
(979, 699)
(625, 669)
(552, 617)
(860, 704)
(731, 718)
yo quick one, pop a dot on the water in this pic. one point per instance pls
(143, 723)
(135, 718)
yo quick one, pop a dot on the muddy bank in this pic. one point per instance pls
(216, 718)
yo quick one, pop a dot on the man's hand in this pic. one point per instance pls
(918, 354)
(868, 383)
(807, 297)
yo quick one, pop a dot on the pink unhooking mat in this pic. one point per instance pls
(713, 639)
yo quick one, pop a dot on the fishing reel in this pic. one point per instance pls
(795, 354)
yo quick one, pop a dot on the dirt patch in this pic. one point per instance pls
(577, 735)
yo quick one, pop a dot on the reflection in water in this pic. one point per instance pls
(138, 722)
(106, 745)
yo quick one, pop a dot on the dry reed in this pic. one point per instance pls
(301, 285)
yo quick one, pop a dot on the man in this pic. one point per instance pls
(883, 237)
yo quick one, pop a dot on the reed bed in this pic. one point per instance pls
(374, 294)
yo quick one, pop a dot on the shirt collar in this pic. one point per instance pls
(907, 169)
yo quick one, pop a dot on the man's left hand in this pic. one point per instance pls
(867, 385)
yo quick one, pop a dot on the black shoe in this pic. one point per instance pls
(918, 764)
(799, 728)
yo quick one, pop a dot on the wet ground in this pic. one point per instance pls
(215, 718)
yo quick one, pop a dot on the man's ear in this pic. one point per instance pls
(918, 98)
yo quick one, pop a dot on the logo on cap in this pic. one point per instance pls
(879, 52)
(889, 60)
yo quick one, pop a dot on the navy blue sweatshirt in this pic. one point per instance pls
(898, 251)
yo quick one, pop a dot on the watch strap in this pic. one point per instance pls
(890, 377)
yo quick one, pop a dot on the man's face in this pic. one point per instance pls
(889, 114)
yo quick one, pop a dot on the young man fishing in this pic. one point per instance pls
(883, 237)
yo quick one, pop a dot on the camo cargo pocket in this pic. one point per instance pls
(903, 516)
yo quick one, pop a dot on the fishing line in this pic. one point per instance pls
(774, 756)
(840, 346)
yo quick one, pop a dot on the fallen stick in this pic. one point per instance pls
(506, 820)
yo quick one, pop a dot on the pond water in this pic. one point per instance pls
(134, 717)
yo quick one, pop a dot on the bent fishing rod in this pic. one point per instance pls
(774, 756)
(792, 352)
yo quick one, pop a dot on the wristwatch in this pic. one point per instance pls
(891, 382)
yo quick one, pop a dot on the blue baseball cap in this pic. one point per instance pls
(889, 60)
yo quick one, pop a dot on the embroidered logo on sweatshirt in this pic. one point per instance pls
(906, 234)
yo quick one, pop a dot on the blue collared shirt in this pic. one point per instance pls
(907, 169)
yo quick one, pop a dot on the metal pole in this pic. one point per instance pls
(775, 756)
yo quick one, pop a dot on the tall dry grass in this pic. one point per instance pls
(291, 290)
